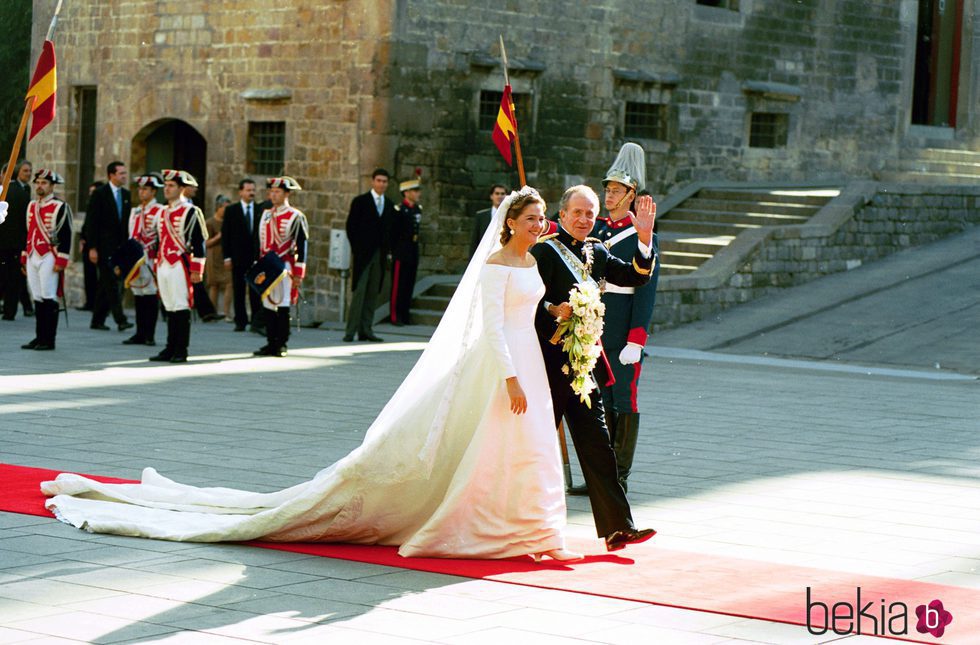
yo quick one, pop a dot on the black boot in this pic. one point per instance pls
(283, 319)
(38, 329)
(46, 312)
(137, 338)
(624, 443)
(150, 323)
(273, 344)
(168, 352)
(182, 325)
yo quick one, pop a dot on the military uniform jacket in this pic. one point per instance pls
(559, 280)
(48, 230)
(628, 315)
(181, 232)
(284, 231)
(143, 222)
(405, 228)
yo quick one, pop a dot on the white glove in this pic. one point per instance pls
(3, 211)
(631, 354)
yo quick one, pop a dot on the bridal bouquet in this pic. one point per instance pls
(579, 336)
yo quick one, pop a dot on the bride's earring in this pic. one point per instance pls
(511, 231)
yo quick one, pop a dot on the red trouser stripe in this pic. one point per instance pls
(394, 291)
(636, 378)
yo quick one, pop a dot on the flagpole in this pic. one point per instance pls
(28, 108)
(513, 111)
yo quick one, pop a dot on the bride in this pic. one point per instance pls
(462, 462)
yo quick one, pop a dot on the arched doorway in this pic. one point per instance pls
(172, 143)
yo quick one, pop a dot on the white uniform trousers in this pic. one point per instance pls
(280, 294)
(172, 281)
(144, 284)
(41, 278)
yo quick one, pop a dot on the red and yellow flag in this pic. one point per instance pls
(505, 129)
(44, 83)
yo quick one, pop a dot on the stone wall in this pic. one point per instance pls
(893, 219)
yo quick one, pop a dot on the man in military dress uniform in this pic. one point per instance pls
(565, 259)
(143, 224)
(180, 262)
(46, 255)
(629, 310)
(405, 251)
(283, 230)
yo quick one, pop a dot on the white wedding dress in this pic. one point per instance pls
(447, 470)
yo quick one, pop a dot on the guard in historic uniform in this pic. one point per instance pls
(629, 310)
(46, 255)
(405, 228)
(283, 231)
(143, 226)
(565, 259)
(180, 262)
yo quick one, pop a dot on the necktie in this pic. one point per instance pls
(119, 203)
(248, 217)
(377, 204)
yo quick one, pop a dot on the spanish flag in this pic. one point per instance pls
(43, 86)
(505, 129)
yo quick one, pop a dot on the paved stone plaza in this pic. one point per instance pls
(861, 463)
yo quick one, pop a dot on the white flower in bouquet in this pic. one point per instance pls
(579, 336)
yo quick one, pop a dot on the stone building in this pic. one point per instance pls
(781, 90)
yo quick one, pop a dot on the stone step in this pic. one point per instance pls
(938, 179)
(683, 258)
(442, 289)
(706, 228)
(676, 269)
(943, 154)
(812, 197)
(730, 205)
(693, 243)
(935, 167)
(426, 316)
(759, 219)
(434, 303)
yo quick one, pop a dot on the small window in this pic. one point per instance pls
(722, 4)
(768, 130)
(645, 121)
(490, 105)
(266, 147)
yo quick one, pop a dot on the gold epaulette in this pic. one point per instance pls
(398, 207)
(545, 238)
(593, 239)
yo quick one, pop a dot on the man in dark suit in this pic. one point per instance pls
(13, 236)
(367, 231)
(105, 229)
(240, 248)
(482, 219)
(565, 259)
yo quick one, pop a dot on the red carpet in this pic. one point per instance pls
(646, 573)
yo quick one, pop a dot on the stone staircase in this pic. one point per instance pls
(691, 232)
(707, 221)
(945, 165)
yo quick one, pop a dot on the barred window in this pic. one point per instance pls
(645, 121)
(490, 105)
(266, 147)
(768, 130)
(723, 4)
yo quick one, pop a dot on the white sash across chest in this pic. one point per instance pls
(571, 261)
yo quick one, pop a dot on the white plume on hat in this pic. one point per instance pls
(630, 167)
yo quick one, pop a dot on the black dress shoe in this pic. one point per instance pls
(349, 338)
(28, 313)
(150, 343)
(178, 359)
(100, 327)
(124, 325)
(580, 491)
(133, 340)
(31, 345)
(619, 539)
(43, 347)
(239, 327)
(371, 338)
(163, 356)
(9, 317)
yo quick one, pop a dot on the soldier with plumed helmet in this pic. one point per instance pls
(143, 225)
(629, 310)
(283, 233)
(46, 255)
(180, 261)
(405, 228)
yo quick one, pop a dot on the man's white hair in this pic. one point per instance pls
(581, 189)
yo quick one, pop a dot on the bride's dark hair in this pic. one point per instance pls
(518, 201)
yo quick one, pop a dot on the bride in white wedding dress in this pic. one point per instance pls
(462, 462)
